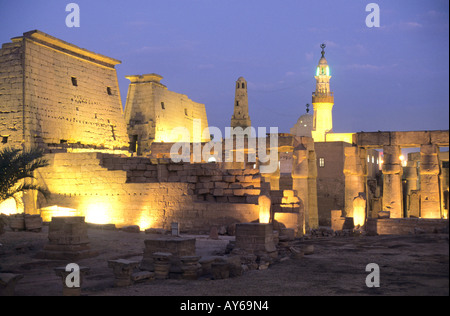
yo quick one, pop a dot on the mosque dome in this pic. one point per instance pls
(304, 125)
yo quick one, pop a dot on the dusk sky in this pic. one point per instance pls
(392, 77)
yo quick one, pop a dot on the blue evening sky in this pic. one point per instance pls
(395, 77)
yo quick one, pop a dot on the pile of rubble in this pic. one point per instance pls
(328, 232)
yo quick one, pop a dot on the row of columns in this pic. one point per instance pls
(355, 170)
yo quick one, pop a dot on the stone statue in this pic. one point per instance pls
(359, 210)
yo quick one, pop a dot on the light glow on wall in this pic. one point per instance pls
(98, 213)
(54, 211)
(403, 160)
(145, 220)
(359, 211)
(264, 209)
(8, 207)
(359, 216)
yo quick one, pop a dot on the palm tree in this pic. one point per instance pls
(17, 166)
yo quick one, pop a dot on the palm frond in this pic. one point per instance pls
(17, 165)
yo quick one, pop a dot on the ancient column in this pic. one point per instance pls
(300, 182)
(275, 179)
(414, 204)
(123, 269)
(354, 171)
(392, 181)
(68, 240)
(313, 208)
(444, 177)
(429, 181)
(304, 179)
(410, 175)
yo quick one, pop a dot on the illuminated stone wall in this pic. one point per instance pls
(11, 95)
(152, 112)
(206, 181)
(149, 193)
(54, 92)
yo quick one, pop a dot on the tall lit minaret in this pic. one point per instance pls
(322, 100)
(240, 116)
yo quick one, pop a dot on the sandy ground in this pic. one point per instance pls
(409, 265)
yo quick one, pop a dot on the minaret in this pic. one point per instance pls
(322, 100)
(240, 116)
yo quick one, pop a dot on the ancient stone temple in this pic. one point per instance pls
(152, 112)
(55, 94)
(117, 168)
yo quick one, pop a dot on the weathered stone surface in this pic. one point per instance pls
(308, 250)
(287, 233)
(214, 233)
(190, 267)
(255, 238)
(93, 112)
(156, 231)
(8, 283)
(220, 270)
(131, 229)
(235, 266)
(142, 276)
(406, 226)
(161, 264)
(16, 222)
(33, 222)
(68, 240)
(123, 270)
(404, 139)
(177, 247)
